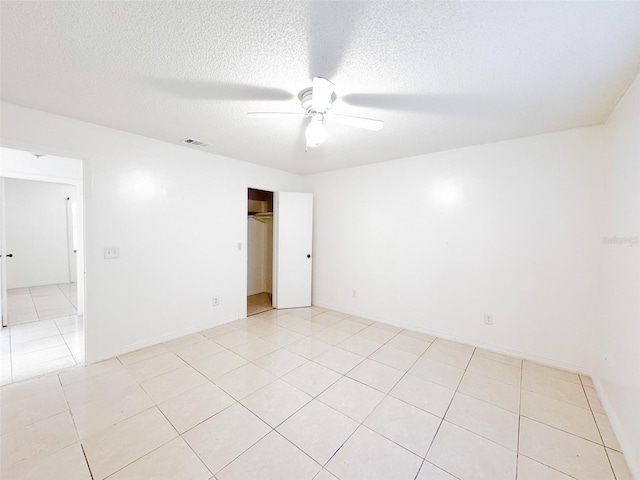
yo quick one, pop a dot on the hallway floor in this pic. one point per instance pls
(31, 349)
(32, 304)
(308, 394)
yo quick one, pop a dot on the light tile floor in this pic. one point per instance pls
(31, 349)
(25, 305)
(258, 303)
(308, 394)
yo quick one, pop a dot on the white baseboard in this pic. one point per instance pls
(469, 341)
(633, 462)
(99, 356)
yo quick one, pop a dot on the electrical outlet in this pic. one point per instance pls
(216, 301)
(111, 252)
(488, 318)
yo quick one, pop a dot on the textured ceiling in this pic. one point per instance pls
(441, 75)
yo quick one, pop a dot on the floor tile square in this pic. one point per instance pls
(606, 431)
(308, 348)
(561, 415)
(619, 465)
(409, 344)
(495, 369)
(154, 366)
(437, 372)
(369, 456)
(318, 430)
(551, 371)
(38, 440)
(65, 464)
(280, 362)
(311, 378)
(173, 383)
(114, 448)
(174, 460)
(197, 351)
(450, 356)
(491, 391)
(376, 334)
(352, 398)
(195, 406)
(560, 450)
(244, 380)
(376, 375)
(360, 345)
(394, 357)
(143, 354)
(264, 461)
(485, 419)
(531, 470)
(404, 424)
(93, 417)
(426, 395)
(470, 456)
(220, 364)
(223, 437)
(276, 402)
(338, 360)
(554, 387)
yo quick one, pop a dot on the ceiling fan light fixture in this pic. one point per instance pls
(316, 133)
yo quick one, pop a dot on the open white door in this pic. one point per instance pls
(3, 262)
(293, 227)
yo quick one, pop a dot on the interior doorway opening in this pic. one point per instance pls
(41, 265)
(259, 251)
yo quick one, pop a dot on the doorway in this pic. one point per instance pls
(259, 251)
(41, 265)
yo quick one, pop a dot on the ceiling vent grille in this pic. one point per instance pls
(193, 141)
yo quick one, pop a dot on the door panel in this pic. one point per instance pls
(293, 228)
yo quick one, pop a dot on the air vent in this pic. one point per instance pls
(193, 141)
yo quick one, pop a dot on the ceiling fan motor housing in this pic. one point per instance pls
(306, 100)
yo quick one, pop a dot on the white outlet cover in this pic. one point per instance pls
(111, 252)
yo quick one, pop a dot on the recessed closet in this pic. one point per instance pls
(259, 251)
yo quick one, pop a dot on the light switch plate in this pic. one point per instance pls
(111, 252)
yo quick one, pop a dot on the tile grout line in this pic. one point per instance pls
(604, 446)
(519, 419)
(86, 460)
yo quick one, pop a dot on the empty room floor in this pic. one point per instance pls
(308, 394)
(31, 349)
(32, 304)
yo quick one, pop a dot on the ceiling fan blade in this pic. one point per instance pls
(358, 122)
(217, 90)
(429, 103)
(276, 114)
(322, 92)
(330, 32)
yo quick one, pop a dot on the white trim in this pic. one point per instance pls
(132, 347)
(474, 343)
(616, 425)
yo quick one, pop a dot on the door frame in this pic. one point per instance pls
(80, 266)
(274, 283)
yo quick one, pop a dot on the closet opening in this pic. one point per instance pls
(259, 251)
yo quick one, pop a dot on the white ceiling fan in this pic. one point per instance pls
(316, 101)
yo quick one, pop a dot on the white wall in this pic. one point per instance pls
(36, 232)
(260, 256)
(434, 242)
(177, 215)
(618, 362)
